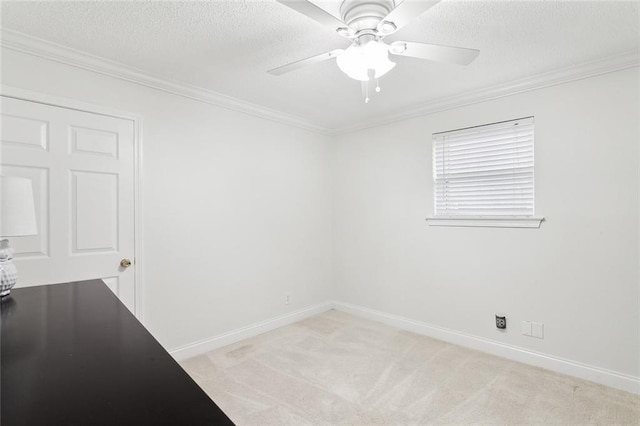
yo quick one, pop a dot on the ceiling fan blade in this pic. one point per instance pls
(406, 11)
(434, 52)
(314, 12)
(304, 62)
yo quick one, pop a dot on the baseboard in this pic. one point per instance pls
(233, 336)
(572, 368)
(564, 366)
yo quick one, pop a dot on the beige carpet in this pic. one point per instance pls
(337, 369)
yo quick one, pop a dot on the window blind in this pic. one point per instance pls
(485, 170)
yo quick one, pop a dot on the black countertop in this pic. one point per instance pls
(73, 354)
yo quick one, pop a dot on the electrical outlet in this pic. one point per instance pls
(287, 299)
(526, 328)
(501, 322)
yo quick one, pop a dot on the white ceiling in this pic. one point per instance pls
(228, 45)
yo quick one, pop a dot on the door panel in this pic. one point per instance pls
(24, 131)
(94, 142)
(94, 212)
(82, 168)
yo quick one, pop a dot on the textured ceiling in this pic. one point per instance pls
(228, 45)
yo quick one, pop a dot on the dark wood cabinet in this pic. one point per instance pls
(73, 354)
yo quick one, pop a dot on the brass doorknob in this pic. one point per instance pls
(125, 263)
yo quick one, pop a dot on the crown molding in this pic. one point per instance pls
(28, 44)
(559, 76)
(38, 47)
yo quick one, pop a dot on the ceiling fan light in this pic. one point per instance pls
(352, 63)
(358, 75)
(374, 52)
(357, 60)
(384, 68)
(377, 57)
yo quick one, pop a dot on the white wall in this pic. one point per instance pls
(236, 208)
(269, 199)
(578, 274)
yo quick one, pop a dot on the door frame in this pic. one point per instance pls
(68, 103)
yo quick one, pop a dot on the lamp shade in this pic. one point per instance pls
(17, 209)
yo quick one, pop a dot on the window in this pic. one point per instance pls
(483, 176)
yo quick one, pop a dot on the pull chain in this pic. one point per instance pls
(366, 92)
(365, 89)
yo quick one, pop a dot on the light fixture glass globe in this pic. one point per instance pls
(377, 57)
(357, 60)
(352, 63)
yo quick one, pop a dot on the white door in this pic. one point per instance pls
(82, 168)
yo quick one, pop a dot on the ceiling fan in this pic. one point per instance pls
(366, 23)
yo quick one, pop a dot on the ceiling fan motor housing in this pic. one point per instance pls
(363, 16)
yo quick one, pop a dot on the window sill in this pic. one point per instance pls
(487, 222)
